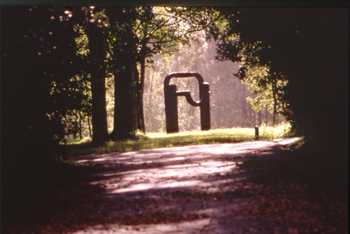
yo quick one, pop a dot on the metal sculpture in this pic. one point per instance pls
(170, 97)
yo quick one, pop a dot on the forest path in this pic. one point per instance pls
(189, 189)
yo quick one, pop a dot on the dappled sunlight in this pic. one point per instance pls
(171, 176)
(147, 186)
(189, 189)
(164, 155)
(184, 189)
(288, 141)
(188, 226)
(100, 159)
(199, 166)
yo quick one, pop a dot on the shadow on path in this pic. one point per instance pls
(190, 189)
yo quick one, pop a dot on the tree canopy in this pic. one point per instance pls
(304, 47)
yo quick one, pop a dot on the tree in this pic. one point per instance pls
(46, 46)
(37, 53)
(308, 47)
(266, 89)
(125, 72)
(92, 47)
(266, 84)
(97, 45)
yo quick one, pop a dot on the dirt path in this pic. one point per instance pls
(190, 189)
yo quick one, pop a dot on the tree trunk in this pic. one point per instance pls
(89, 126)
(125, 109)
(141, 117)
(99, 113)
(245, 117)
(274, 95)
(97, 46)
(79, 117)
(126, 77)
(259, 118)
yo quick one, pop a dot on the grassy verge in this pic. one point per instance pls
(158, 140)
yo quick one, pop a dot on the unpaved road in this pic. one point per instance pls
(189, 189)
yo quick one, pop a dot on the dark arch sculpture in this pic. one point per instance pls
(170, 98)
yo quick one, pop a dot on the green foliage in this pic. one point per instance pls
(81, 41)
(59, 52)
(83, 21)
(266, 85)
(259, 82)
(161, 29)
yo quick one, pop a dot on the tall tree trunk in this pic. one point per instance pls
(89, 126)
(79, 117)
(245, 117)
(99, 113)
(97, 46)
(125, 109)
(274, 95)
(259, 118)
(126, 77)
(141, 117)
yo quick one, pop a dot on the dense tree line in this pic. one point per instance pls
(307, 48)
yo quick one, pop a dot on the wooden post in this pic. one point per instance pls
(256, 132)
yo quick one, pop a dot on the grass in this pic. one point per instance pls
(159, 140)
